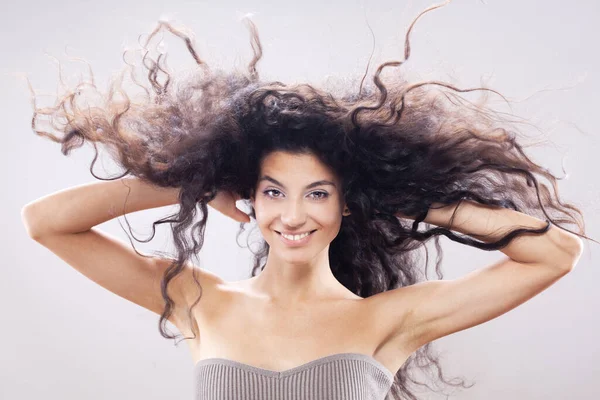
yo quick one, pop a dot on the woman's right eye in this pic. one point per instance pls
(270, 190)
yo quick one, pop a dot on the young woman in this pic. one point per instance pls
(336, 306)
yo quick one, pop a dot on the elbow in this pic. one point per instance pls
(578, 251)
(575, 251)
(29, 221)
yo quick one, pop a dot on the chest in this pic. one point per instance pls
(248, 350)
(280, 338)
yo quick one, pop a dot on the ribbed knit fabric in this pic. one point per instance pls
(343, 376)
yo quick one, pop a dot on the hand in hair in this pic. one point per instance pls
(224, 202)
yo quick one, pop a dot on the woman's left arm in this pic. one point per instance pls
(490, 223)
(410, 316)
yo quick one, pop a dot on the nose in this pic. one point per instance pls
(293, 215)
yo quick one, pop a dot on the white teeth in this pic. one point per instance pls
(295, 237)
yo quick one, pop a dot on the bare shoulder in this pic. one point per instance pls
(193, 284)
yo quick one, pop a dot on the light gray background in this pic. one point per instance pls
(64, 337)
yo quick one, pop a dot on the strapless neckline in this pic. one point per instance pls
(302, 367)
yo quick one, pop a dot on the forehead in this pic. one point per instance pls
(295, 167)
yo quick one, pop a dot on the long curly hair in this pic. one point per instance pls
(398, 147)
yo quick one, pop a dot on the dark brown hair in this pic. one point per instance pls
(398, 147)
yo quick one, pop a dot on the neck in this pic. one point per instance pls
(284, 281)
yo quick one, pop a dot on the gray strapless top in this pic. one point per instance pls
(342, 376)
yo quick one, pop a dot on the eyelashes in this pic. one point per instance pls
(323, 195)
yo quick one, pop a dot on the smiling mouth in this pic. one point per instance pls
(301, 233)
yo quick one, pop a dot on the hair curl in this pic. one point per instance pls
(398, 148)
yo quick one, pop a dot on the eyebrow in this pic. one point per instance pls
(310, 186)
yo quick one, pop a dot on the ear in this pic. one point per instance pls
(346, 211)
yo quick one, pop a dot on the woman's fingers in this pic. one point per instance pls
(241, 216)
(224, 202)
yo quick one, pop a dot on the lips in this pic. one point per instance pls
(296, 243)
(294, 234)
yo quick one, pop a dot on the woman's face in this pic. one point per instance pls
(299, 194)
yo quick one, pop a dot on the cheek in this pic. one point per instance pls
(263, 216)
(332, 223)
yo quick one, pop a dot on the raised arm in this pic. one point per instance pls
(82, 207)
(64, 222)
(414, 315)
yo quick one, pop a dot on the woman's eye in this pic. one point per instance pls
(322, 195)
(269, 191)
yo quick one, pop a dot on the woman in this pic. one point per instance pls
(342, 313)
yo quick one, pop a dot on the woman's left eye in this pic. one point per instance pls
(324, 194)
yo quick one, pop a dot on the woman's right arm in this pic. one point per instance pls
(82, 207)
(64, 222)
